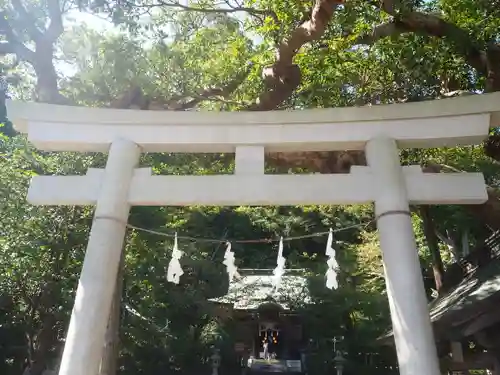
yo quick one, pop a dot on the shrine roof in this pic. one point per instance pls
(473, 296)
(476, 288)
(255, 287)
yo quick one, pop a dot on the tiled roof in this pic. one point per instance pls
(252, 290)
(464, 301)
(479, 286)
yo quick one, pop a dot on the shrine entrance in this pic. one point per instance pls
(264, 315)
(276, 328)
(269, 333)
(378, 130)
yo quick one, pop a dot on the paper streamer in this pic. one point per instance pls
(174, 267)
(229, 262)
(331, 273)
(279, 271)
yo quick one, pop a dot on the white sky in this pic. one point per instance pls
(75, 17)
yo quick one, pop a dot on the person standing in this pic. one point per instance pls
(265, 346)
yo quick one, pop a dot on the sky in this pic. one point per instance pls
(99, 23)
(76, 17)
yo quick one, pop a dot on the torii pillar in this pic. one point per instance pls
(411, 323)
(84, 341)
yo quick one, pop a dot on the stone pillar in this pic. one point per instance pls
(457, 356)
(87, 328)
(412, 328)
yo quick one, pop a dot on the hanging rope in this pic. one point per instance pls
(239, 241)
(175, 271)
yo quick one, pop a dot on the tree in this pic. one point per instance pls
(41, 251)
(290, 28)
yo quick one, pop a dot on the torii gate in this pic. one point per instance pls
(379, 130)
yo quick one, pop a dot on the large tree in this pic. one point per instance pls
(468, 29)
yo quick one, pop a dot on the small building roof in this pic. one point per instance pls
(255, 287)
(476, 288)
(471, 297)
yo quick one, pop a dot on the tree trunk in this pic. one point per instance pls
(112, 338)
(47, 85)
(46, 340)
(433, 244)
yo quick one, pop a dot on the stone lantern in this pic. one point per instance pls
(339, 361)
(215, 361)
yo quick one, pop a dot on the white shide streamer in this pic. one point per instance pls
(174, 267)
(279, 271)
(229, 262)
(331, 273)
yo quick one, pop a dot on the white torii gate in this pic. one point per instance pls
(379, 130)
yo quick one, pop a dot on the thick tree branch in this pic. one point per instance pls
(188, 8)
(211, 92)
(135, 98)
(42, 57)
(485, 59)
(323, 162)
(12, 45)
(379, 32)
(217, 10)
(389, 6)
(283, 77)
(55, 28)
(27, 19)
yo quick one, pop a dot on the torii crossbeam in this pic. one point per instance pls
(379, 130)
